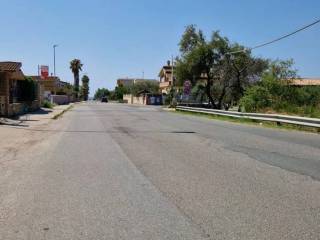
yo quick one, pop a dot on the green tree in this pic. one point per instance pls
(101, 92)
(199, 58)
(275, 93)
(85, 87)
(76, 67)
(119, 91)
(145, 86)
(199, 92)
(224, 75)
(191, 39)
(244, 69)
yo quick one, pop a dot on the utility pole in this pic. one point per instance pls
(54, 59)
(172, 67)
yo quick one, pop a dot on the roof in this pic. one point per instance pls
(131, 81)
(49, 78)
(125, 81)
(10, 66)
(305, 82)
(144, 80)
(66, 83)
(17, 75)
(166, 70)
(143, 92)
(168, 67)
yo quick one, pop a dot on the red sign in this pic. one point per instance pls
(44, 70)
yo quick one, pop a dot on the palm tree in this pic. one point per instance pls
(76, 67)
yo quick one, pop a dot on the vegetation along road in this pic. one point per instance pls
(112, 171)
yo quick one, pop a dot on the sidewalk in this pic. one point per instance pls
(39, 117)
(17, 135)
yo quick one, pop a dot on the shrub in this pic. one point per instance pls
(256, 98)
(28, 89)
(47, 104)
(277, 95)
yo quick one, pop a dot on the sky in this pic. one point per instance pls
(126, 38)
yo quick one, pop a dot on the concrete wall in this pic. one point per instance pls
(143, 100)
(21, 108)
(16, 109)
(139, 100)
(59, 99)
(128, 98)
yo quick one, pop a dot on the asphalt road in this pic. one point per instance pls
(111, 171)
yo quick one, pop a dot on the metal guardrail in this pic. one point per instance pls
(302, 121)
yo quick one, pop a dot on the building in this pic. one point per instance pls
(166, 78)
(49, 85)
(52, 86)
(305, 82)
(143, 98)
(128, 82)
(13, 99)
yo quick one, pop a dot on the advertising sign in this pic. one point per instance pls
(44, 71)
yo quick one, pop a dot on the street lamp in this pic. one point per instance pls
(54, 59)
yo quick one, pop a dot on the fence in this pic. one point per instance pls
(302, 121)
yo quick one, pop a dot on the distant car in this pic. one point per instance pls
(104, 99)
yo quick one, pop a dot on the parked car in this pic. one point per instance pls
(104, 99)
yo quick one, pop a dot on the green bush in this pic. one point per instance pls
(28, 89)
(170, 98)
(279, 96)
(47, 104)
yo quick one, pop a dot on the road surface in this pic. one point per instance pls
(111, 171)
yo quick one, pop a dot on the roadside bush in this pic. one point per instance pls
(170, 98)
(272, 94)
(47, 104)
(167, 100)
(256, 98)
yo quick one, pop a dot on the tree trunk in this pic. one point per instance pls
(208, 92)
(240, 89)
(221, 97)
(76, 85)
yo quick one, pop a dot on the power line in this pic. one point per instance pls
(278, 39)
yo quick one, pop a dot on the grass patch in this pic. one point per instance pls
(305, 111)
(55, 117)
(267, 124)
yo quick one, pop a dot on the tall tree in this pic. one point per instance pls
(85, 87)
(76, 67)
(245, 69)
(191, 39)
(199, 58)
(224, 75)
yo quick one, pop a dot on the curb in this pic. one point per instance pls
(58, 115)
